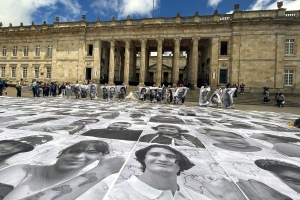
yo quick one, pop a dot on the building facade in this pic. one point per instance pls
(257, 48)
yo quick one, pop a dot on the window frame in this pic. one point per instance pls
(37, 50)
(15, 51)
(289, 48)
(13, 72)
(2, 75)
(286, 78)
(25, 52)
(48, 72)
(36, 72)
(24, 72)
(4, 50)
(49, 51)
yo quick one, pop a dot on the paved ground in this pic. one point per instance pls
(54, 148)
(293, 110)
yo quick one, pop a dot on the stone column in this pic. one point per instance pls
(187, 68)
(111, 62)
(134, 65)
(131, 64)
(97, 61)
(143, 61)
(159, 61)
(118, 63)
(80, 71)
(106, 63)
(176, 56)
(127, 61)
(194, 67)
(279, 62)
(214, 62)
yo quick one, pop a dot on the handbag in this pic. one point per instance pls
(283, 102)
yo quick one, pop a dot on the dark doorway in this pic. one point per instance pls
(88, 74)
(223, 76)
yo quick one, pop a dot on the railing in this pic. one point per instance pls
(290, 14)
(121, 23)
(187, 19)
(205, 19)
(105, 23)
(150, 21)
(225, 17)
(169, 20)
(136, 22)
(91, 24)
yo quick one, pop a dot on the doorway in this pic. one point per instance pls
(88, 74)
(223, 76)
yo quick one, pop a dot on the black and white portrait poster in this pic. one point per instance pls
(84, 91)
(180, 93)
(112, 90)
(153, 94)
(93, 91)
(215, 99)
(121, 90)
(228, 97)
(197, 177)
(173, 90)
(105, 91)
(143, 92)
(203, 95)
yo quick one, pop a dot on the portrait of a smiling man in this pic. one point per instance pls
(161, 165)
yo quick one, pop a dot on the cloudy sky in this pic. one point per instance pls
(26, 11)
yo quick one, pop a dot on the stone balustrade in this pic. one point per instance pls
(236, 15)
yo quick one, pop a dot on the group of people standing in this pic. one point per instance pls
(219, 97)
(163, 94)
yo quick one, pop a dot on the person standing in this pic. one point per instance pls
(242, 87)
(2, 84)
(68, 90)
(34, 88)
(280, 100)
(19, 86)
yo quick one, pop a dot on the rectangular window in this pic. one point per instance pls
(25, 50)
(223, 50)
(15, 51)
(13, 72)
(288, 77)
(2, 72)
(24, 72)
(48, 72)
(90, 50)
(4, 51)
(49, 51)
(289, 46)
(36, 72)
(37, 50)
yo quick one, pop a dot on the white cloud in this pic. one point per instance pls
(213, 3)
(122, 8)
(271, 4)
(17, 11)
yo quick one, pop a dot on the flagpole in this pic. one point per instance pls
(153, 10)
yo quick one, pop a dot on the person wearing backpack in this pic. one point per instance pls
(19, 86)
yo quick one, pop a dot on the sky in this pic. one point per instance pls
(28, 11)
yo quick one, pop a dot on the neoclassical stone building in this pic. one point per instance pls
(258, 48)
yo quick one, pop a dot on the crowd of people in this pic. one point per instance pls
(164, 94)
